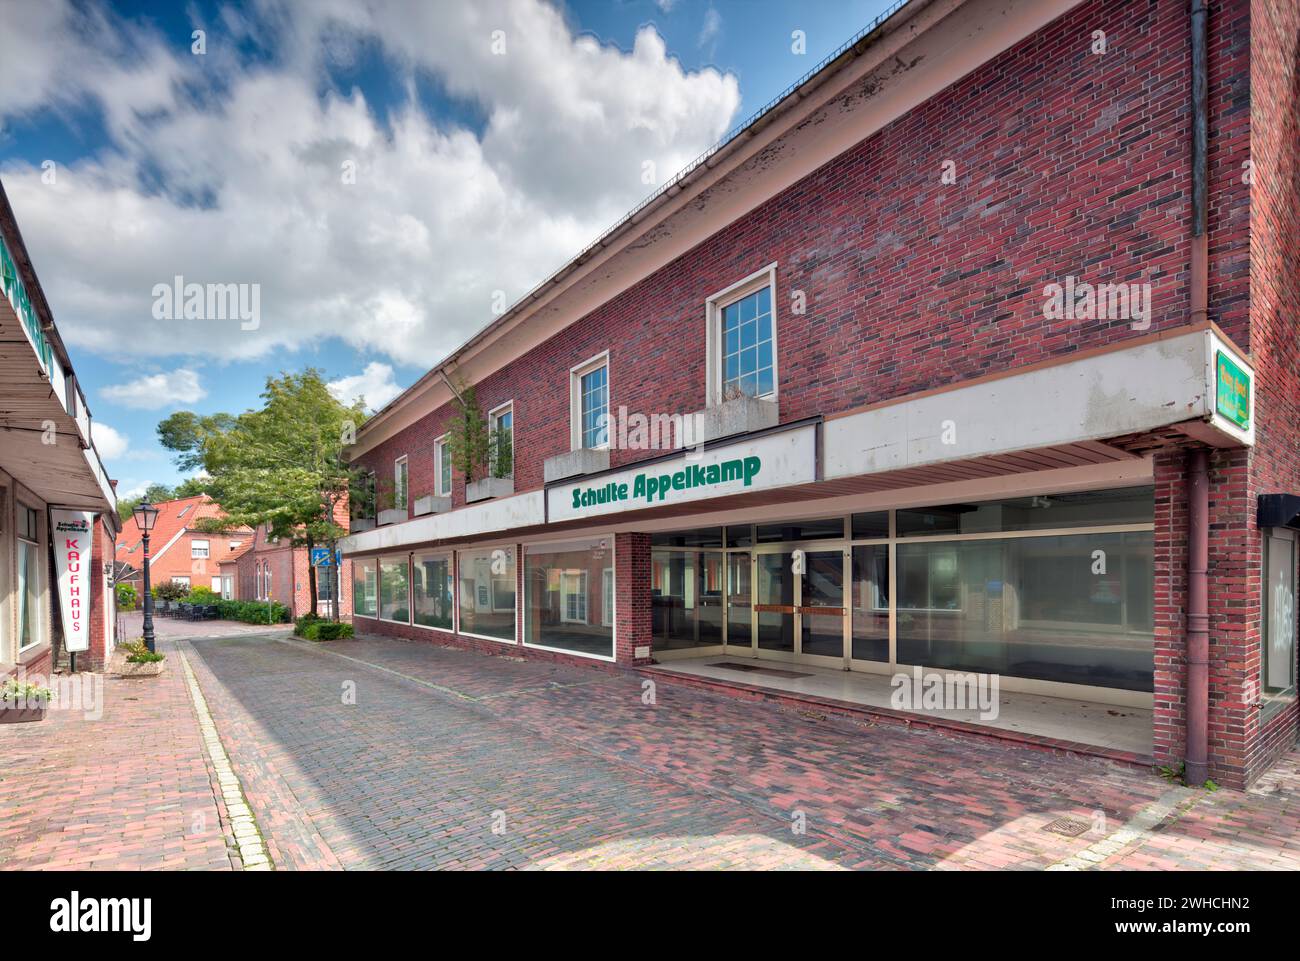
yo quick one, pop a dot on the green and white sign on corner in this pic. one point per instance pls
(1231, 390)
(773, 460)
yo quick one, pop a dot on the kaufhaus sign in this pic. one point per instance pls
(779, 459)
(71, 542)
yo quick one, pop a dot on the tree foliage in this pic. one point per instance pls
(281, 465)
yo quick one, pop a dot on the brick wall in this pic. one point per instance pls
(911, 283)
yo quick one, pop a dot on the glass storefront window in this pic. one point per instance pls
(394, 590)
(365, 583)
(686, 595)
(28, 595)
(1279, 627)
(1068, 608)
(432, 589)
(1132, 505)
(705, 537)
(870, 526)
(832, 527)
(486, 597)
(871, 603)
(569, 597)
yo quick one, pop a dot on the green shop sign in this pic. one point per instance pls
(1231, 391)
(650, 487)
(22, 305)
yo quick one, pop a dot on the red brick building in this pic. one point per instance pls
(180, 549)
(267, 569)
(985, 340)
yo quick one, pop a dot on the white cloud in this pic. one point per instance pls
(666, 5)
(375, 385)
(711, 29)
(154, 391)
(110, 443)
(226, 172)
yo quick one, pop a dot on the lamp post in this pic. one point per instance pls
(145, 516)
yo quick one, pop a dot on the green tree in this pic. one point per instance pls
(281, 465)
(468, 438)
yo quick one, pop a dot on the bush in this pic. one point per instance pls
(127, 597)
(331, 631)
(170, 591)
(322, 630)
(302, 624)
(202, 595)
(253, 612)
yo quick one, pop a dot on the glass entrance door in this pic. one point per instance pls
(821, 604)
(740, 628)
(799, 608)
(775, 590)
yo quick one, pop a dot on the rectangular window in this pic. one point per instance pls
(394, 590)
(1131, 505)
(216, 585)
(364, 587)
(442, 466)
(589, 397)
(1279, 633)
(501, 437)
(569, 590)
(741, 337)
(198, 549)
(1043, 607)
(399, 484)
(432, 589)
(486, 597)
(29, 589)
(182, 581)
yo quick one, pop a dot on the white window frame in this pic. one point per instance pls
(580, 594)
(714, 347)
(216, 584)
(194, 547)
(450, 555)
(1274, 701)
(440, 455)
(549, 546)
(40, 614)
(576, 373)
(516, 552)
(402, 466)
(181, 579)
(494, 415)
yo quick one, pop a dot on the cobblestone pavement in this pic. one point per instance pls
(128, 789)
(447, 758)
(377, 753)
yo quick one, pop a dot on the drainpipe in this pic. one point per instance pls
(1200, 252)
(1198, 616)
(1198, 481)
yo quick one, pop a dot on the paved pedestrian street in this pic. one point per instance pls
(376, 753)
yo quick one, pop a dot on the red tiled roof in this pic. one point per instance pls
(237, 553)
(173, 517)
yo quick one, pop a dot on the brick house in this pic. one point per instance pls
(984, 343)
(267, 569)
(179, 548)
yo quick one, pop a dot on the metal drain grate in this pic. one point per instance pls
(1070, 827)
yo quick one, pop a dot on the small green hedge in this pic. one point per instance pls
(253, 612)
(326, 631)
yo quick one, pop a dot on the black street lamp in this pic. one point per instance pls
(145, 516)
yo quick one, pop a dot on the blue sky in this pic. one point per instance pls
(478, 169)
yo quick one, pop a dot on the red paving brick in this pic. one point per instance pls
(129, 790)
(575, 771)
